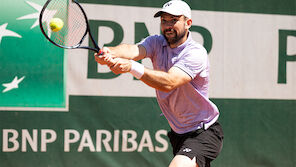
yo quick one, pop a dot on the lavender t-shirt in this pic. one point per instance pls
(187, 107)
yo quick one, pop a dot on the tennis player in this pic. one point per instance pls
(181, 79)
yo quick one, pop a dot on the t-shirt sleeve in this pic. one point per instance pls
(194, 63)
(149, 43)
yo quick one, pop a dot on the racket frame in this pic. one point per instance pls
(96, 49)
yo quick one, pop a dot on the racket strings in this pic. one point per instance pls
(75, 25)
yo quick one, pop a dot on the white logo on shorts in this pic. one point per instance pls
(187, 150)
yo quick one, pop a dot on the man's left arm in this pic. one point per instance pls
(163, 81)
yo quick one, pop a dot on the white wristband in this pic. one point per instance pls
(137, 69)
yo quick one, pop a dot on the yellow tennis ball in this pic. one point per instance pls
(56, 24)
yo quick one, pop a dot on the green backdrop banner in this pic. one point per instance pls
(58, 108)
(28, 59)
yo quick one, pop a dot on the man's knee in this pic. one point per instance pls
(183, 161)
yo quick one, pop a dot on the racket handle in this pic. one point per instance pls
(100, 53)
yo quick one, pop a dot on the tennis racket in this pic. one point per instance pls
(76, 26)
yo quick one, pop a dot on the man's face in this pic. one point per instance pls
(173, 27)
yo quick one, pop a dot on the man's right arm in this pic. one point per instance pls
(126, 51)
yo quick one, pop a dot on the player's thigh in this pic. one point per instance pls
(183, 161)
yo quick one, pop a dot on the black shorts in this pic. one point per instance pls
(205, 145)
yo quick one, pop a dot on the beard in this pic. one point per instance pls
(173, 39)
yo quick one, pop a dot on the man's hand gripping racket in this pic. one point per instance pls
(72, 31)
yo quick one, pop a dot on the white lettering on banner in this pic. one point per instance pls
(33, 141)
(104, 140)
(6, 140)
(129, 137)
(10, 137)
(68, 140)
(86, 141)
(146, 142)
(116, 141)
(74, 141)
(45, 140)
(161, 140)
